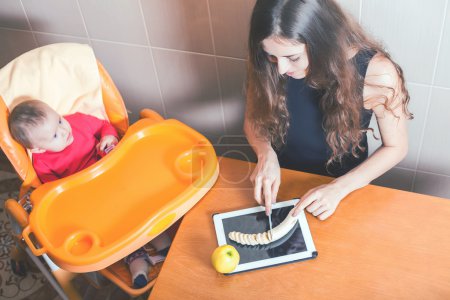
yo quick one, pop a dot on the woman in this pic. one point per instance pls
(314, 80)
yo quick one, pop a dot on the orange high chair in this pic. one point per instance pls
(92, 219)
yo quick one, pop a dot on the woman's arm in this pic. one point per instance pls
(394, 136)
(266, 176)
(323, 200)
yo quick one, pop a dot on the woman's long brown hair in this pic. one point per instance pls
(328, 34)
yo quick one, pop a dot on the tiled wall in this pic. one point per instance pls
(186, 60)
(182, 58)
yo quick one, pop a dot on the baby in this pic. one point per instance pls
(61, 146)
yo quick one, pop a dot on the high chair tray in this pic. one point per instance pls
(89, 220)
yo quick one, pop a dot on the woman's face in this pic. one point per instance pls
(289, 56)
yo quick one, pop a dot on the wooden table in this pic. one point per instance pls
(380, 244)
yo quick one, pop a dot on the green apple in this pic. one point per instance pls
(225, 259)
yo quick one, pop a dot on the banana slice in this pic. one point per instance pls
(265, 237)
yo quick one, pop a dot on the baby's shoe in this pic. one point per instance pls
(140, 281)
(139, 266)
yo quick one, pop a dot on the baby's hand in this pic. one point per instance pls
(106, 142)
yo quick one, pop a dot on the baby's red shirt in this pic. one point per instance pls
(87, 131)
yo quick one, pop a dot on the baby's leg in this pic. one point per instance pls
(162, 243)
(138, 264)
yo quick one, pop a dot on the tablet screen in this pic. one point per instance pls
(292, 242)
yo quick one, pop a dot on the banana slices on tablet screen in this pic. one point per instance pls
(265, 237)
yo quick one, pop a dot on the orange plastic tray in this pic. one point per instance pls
(89, 220)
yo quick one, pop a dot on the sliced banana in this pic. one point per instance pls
(265, 237)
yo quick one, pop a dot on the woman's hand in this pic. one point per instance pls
(266, 179)
(106, 141)
(321, 201)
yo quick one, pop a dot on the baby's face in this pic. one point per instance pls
(54, 134)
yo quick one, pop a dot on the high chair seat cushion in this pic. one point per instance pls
(64, 75)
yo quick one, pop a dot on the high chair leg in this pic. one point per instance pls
(64, 278)
(50, 278)
(62, 284)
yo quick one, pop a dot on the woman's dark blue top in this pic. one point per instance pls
(306, 148)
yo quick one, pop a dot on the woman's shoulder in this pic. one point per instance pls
(381, 71)
(382, 82)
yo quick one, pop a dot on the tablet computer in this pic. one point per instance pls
(296, 245)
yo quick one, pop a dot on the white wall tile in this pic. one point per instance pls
(14, 43)
(12, 15)
(351, 6)
(132, 71)
(231, 23)
(432, 184)
(434, 156)
(55, 16)
(232, 80)
(182, 25)
(417, 105)
(373, 139)
(190, 90)
(114, 20)
(400, 179)
(410, 29)
(443, 66)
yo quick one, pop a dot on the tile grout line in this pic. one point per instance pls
(198, 53)
(435, 174)
(430, 94)
(29, 24)
(441, 87)
(219, 85)
(119, 43)
(422, 134)
(49, 33)
(360, 11)
(421, 171)
(428, 85)
(404, 169)
(234, 58)
(163, 103)
(84, 23)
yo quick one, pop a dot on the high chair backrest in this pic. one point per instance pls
(67, 77)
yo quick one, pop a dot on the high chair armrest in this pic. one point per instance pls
(17, 212)
(150, 114)
(26, 237)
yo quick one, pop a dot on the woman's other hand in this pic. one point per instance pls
(266, 179)
(321, 201)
